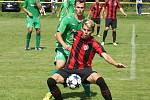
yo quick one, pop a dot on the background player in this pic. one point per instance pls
(111, 7)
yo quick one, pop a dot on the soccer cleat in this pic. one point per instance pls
(47, 96)
(103, 43)
(27, 48)
(115, 44)
(38, 49)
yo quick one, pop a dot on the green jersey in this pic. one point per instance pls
(71, 6)
(64, 6)
(31, 6)
(66, 26)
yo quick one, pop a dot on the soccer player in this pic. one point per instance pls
(95, 13)
(139, 7)
(111, 7)
(64, 37)
(79, 62)
(32, 8)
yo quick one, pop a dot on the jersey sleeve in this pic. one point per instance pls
(63, 24)
(98, 47)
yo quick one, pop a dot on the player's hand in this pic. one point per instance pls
(29, 14)
(120, 65)
(125, 15)
(67, 47)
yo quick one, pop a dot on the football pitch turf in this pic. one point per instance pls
(23, 74)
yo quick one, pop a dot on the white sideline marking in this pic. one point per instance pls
(133, 59)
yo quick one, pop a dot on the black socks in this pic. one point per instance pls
(54, 89)
(104, 89)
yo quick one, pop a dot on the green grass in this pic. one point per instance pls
(23, 74)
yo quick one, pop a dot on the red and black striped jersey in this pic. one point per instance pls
(111, 7)
(96, 9)
(83, 52)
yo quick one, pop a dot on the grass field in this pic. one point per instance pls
(23, 74)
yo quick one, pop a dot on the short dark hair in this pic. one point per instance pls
(81, 1)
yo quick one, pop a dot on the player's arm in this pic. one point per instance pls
(111, 60)
(102, 13)
(40, 8)
(122, 11)
(62, 27)
(27, 12)
(25, 9)
(66, 4)
(59, 11)
(90, 12)
(61, 41)
(89, 15)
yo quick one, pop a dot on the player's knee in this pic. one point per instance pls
(101, 82)
(107, 28)
(114, 30)
(51, 82)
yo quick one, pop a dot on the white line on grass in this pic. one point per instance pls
(133, 59)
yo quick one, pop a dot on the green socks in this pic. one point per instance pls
(38, 36)
(28, 37)
(86, 90)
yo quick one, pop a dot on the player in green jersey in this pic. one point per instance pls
(32, 8)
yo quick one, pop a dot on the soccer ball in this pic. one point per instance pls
(73, 81)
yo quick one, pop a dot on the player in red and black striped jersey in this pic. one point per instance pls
(79, 62)
(95, 14)
(111, 7)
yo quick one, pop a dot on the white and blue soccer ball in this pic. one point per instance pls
(73, 81)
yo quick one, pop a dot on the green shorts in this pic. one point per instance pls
(33, 22)
(62, 54)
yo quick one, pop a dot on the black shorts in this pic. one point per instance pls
(83, 73)
(111, 22)
(96, 20)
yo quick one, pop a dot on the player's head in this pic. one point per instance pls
(79, 7)
(88, 28)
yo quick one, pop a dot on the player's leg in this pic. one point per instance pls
(54, 89)
(96, 79)
(60, 58)
(98, 26)
(29, 22)
(87, 91)
(107, 24)
(58, 77)
(37, 24)
(84, 74)
(114, 26)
